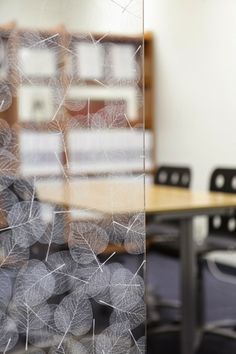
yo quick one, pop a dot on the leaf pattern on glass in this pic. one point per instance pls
(73, 315)
(9, 334)
(47, 335)
(8, 163)
(37, 42)
(127, 289)
(98, 286)
(8, 145)
(113, 340)
(139, 346)
(12, 255)
(5, 182)
(51, 302)
(134, 239)
(25, 189)
(131, 318)
(32, 350)
(5, 291)
(25, 221)
(34, 283)
(7, 200)
(5, 134)
(111, 116)
(57, 231)
(28, 319)
(67, 276)
(89, 341)
(69, 346)
(86, 241)
(96, 281)
(5, 97)
(44, 337)
(13, 146)
(115, 227)
(59, 125)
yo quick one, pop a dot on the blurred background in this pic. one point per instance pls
(82, 83)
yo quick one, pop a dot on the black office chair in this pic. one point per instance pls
(221, 236)
(221, 233)
(222, 229)
(160, 235)
(166, 231)
(173, 176)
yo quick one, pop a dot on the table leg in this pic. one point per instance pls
(188, 288)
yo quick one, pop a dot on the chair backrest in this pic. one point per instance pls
(174, 176)
(223, 180)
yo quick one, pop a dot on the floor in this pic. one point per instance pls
(220, 303)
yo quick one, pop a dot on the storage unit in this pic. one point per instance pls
(74, 86)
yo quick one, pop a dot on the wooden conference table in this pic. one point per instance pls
(121, 197)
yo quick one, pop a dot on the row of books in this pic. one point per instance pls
(85, 151)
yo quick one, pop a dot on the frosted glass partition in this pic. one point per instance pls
(72, 222)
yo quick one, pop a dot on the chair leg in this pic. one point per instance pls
(223, 332)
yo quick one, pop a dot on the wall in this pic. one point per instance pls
(30, 13)
(77, 15)
(196, 82)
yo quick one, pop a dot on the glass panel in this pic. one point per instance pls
(72, 245)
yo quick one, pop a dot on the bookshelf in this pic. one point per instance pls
(66, 86)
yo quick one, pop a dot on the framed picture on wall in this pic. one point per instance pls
(37, 62)
(123, 64)
(36, 103)
(90, 61)
(38, 53)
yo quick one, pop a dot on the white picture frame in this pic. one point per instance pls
(36, 103)
(90, 61)
(123, 64)
(39, 62)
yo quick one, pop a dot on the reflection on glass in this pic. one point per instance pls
(71, 188)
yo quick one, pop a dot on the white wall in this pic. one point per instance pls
(30, 13)
(195, 82)
(77, 15)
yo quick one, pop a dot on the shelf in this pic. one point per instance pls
(62, 82)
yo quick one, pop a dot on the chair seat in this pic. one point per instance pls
(164, 229)
(212, 243)
(225, 259)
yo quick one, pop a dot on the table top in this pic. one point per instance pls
(115, 196)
